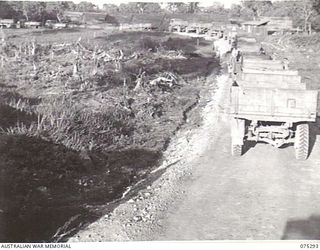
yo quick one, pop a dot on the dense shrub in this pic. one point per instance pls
(149, 44)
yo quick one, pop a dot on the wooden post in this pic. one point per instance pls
(198, 41)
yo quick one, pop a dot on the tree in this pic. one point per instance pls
(110, 8)
(129, 8)
(86, 7)
(34, 11)
(246, 14)
(55, 10)
(316, 6)
(307, 11)
(235, 10)
(152, 8)
(140, 7)
(303, 13)
(316, 17)
(193, 7)
(177, 7)
(216, 7)
(257, 7)
(281, 9)
(7, 11)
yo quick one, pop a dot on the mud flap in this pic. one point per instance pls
(237, 131)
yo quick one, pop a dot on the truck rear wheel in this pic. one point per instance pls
(301, 143)
(236, 150)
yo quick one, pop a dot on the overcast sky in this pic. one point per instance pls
(226, 3)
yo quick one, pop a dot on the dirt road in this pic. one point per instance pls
(205, 194)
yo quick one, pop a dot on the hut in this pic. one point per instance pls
(258, 28)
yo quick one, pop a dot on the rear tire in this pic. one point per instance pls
(301, 143)
(236, 150)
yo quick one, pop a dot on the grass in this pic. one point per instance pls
(21, 105)
(65, 123)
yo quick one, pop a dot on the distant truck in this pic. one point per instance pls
(136, 26)
(215, 32)
(49, 24)
(32, 24)
(199, 28)
(7, 23)
(270, 104)
(60, 26)
(53, 24)
(178, 25)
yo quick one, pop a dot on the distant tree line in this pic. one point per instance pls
(152, 7)
(303, 12)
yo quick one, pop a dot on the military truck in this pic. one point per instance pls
(178, 25)
(199, 28)
(270, 104)
(7, 23)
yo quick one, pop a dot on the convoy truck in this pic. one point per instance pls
(178, 25)
(270, 104)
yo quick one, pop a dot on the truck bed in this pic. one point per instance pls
(271, 76)
(271, 84)
(263, 65)
(277, 79)
(269, 72)
(266, 104)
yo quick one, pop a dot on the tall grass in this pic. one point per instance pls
(20, 104)
(67, 123)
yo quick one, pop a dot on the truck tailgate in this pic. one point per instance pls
(265, 104)
(263, 76)
(271, 84)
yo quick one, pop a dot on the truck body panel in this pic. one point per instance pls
(264, 76)
(265, 104)
(260, 66)
(269, 72)
(272, 84)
